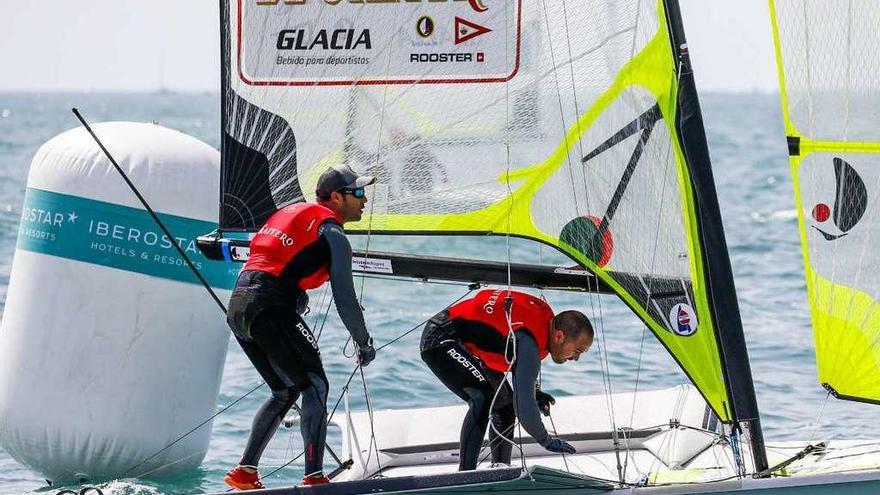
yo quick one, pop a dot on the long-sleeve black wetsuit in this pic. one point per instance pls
(473, 382)
(283, 349)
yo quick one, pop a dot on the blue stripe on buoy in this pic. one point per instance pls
(117, 236)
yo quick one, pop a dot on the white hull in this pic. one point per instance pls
(669, 441)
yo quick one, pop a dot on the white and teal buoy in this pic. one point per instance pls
(110, 350)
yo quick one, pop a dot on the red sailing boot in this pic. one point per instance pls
(315, 479)
(243, 480)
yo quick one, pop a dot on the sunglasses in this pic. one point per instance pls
(358, 193)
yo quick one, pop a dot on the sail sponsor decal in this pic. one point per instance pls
(590, 237)
(835, 193)
(850, 203)
(323, 39)
(477, 5)
(117, 236)
(570, 271)
(466, 30)
(683, 320)
(363, 42)
(425, 26)
(236, 253)
(372, 265)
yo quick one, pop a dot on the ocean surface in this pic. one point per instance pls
(754, 184)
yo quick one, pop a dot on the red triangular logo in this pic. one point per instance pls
(465, 30)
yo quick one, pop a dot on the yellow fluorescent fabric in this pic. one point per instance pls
(829, 72)
(547, 194)
(555, 124)
(846, 323)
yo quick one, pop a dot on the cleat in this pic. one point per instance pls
(240, 479)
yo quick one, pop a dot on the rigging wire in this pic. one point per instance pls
(510, 341)
(374, 444)
(322, 313)
(345, 388)
(555, 432)
(382, 112)
(603, 358)
(189, 264)
(594, 300)
(670, 161)
(329, 418)
(404, 334)
(203, 423)
(254, 389)
(402, 278)
(149, 209)
(818, 419)
(553, 424)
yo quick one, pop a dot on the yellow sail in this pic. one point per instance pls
(551, 122)
(828, 56)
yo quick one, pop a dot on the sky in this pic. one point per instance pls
(125, 45)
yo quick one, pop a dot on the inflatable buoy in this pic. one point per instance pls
(110, 350)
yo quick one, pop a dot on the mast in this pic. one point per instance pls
(719, 276)
(224, 88)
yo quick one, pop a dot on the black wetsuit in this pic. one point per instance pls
(265, 315)
(466, 376)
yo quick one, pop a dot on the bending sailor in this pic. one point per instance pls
(469, 346)
(300, 247)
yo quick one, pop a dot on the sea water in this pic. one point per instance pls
(751, 169)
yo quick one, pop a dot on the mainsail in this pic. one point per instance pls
(829, 74)
(575, 125)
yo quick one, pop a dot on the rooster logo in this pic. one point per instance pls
(850, 203)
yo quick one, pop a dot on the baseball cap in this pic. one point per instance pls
(339, 177)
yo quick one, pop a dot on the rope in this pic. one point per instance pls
(190, 432)
(374, 444)
(152, 213)
(330, 417)
(819, 417)
(404, 334)
(509, 349)
(322, 315)
(605, 367)
(553, 425)
(345, 389)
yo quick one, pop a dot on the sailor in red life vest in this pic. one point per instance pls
(469, 347)
(300, 247)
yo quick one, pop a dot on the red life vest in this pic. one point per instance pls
(287, 232)
(487, 307)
